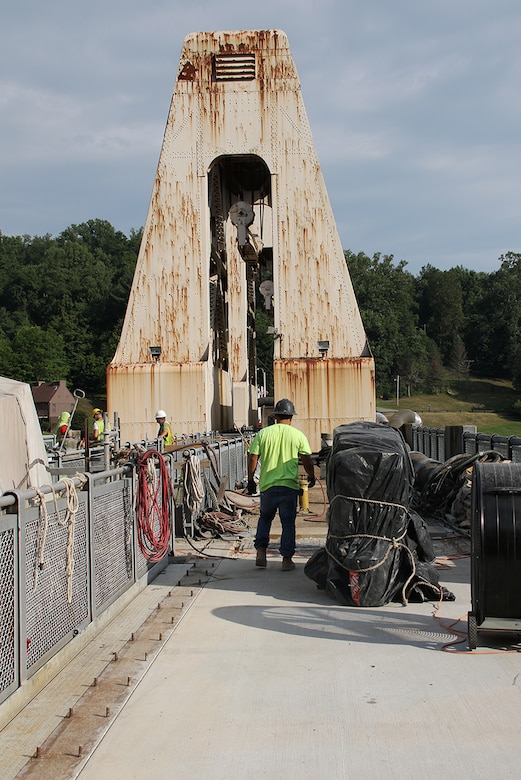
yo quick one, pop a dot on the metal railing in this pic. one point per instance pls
(61, 566)
(70, 550)
(441, 444)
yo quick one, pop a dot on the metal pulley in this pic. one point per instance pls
(242, 216)
(266, 289)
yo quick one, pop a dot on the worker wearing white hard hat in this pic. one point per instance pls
(165, 431)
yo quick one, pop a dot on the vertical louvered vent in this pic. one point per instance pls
(234, 67)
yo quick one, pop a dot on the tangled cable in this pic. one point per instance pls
(222, 523)
(153, 506)
(437, 495)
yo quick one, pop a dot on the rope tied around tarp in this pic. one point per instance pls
(369, 501)
(394, 542)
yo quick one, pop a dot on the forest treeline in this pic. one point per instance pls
(62, 303)
(63, 299)
(418, 326)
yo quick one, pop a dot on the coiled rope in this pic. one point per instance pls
(194, 488)
(69, 520)
(222, 523)
(153, 506)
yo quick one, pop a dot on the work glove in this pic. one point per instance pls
(311, 482)
(252, 487)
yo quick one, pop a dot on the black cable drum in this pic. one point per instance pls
(495, 549)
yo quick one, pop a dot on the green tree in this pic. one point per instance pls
(39, 355)
(63, 300)
(476, 322)
(76, 285)
(7, 357)
(385, 292)
(435, 377)
(440, 300)
(459, 360)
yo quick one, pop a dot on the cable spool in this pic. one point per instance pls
(495, 549)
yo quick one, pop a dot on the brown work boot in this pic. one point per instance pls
(287, 564)
(261, 557)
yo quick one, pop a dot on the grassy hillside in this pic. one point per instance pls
(485, 403)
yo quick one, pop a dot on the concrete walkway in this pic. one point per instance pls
(258, 674)
(266, 677)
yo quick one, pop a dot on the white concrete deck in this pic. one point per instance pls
(262, 675)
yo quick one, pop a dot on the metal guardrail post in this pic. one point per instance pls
(514, 449)
(500, 444)
(11, 596)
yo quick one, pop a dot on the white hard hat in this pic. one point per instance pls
(160, 413)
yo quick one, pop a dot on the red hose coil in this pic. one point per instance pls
(153, 508)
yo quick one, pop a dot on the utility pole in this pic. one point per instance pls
(397, 380)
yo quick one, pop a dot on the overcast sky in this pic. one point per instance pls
(414, 108)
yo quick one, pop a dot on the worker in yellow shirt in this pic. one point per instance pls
(98, 427)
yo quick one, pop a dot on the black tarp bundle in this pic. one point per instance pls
(377, 549)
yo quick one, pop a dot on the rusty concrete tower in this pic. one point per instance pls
(239, 214)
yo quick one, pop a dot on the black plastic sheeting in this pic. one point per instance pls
(377, 548)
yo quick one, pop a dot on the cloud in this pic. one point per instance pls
(413, 108)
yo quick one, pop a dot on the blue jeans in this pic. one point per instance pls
(285, 500)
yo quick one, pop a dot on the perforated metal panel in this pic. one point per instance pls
(76, 461)
(218, 449)
(228, 467)
(50, 618)
(52, 584)
(112, 526)
(8, 627)
(239, 461)
(230, 456)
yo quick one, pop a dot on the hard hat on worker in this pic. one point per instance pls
(96, 411)
(284, 407)
(160, 413)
